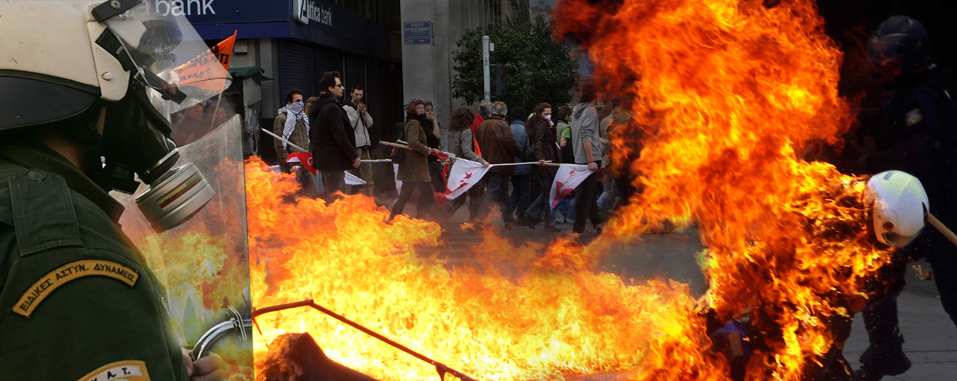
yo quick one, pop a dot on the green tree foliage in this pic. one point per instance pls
(537, 68)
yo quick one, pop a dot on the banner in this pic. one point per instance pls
(566, 180)
(209, 70)
(463, 175)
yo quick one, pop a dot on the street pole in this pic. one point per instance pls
(488, 92)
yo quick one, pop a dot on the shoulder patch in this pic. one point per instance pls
(130, 370)
(913, 117)
(69, 272)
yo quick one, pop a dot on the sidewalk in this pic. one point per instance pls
(930, 336)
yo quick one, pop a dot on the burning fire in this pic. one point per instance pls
(526, 312)
(725, 95)
(203, 266)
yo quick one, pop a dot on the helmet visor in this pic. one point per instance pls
(169, 57)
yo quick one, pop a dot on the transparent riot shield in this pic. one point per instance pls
(204, 262)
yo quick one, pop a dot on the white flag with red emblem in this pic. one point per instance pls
(568, 178)
(463, 175)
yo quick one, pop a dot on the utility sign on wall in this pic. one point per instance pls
(417, 33)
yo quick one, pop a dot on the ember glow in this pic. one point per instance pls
(726, 94)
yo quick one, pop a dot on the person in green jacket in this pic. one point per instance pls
(81, 114)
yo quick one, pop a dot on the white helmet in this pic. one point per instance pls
(899, 206)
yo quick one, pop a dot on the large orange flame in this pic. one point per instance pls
(726, 94)
(523, 312)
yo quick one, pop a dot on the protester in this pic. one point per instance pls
(587, 146)
(434, 140)
(292, 125)
(563, 133)
(193, 123)
(461, 144)
(333, 142)
(222, 114)
(522, 179)
(498, 146)
(414, 167)
(360, 121)
(546, 150)
(481, 116)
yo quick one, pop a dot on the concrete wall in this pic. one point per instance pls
(427, 69)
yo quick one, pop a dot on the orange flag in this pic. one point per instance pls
(208, 71)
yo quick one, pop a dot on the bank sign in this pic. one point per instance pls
(305, 11)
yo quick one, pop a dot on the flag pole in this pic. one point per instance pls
(395, 145)
(523, 163)
(283, 140)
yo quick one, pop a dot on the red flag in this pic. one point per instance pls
(209, 70)
(302, 157)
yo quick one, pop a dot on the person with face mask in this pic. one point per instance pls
(414, 167)
(542, 133)
(86, 105)
(293, 125)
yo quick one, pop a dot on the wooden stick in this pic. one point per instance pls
(283, 140)
(395, 145)
(942, 228)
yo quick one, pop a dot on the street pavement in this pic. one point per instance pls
(930, 337)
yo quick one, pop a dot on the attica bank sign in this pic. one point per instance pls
(306, 11)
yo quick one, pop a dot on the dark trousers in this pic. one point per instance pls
(426, 198)
(475, 195)
(880, 314)
(497, 195)
(521, 194)
(586, 206)
(332, 182)
(541, 202)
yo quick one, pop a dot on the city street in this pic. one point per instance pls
(931, 338)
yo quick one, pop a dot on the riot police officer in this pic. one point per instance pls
(93, 86)
(915, 134)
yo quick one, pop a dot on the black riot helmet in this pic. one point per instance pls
(900, 42)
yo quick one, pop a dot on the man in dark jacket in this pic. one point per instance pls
(498, 146)
(333, 141)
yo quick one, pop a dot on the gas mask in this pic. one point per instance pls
(140, 65)
(136, 135)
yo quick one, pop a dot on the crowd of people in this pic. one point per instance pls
(336, 132)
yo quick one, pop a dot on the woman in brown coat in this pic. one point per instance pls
(414, 167)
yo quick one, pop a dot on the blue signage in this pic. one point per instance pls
(417, 33)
